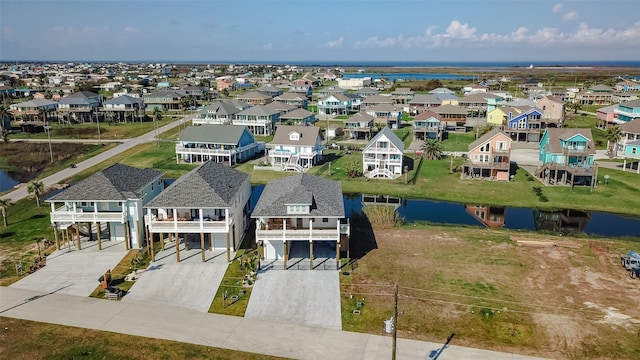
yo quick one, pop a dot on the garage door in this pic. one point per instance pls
(219, 241)
(274, 250)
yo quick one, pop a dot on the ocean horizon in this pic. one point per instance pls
(368, 63)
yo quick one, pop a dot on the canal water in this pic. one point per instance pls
(7, 181)
(407, 76)
(568, 221)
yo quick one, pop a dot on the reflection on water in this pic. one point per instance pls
(561, 221)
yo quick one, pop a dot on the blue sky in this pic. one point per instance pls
(328, 30)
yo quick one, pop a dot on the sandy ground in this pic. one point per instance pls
(561, 297)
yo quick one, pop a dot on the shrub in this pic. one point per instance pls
(382, 216)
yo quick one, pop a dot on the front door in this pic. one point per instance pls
(299, 223)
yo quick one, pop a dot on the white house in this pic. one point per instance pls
(219, 112)
(115, 197)
(228, 144)
(383, 155)
(207, 208)
(295, 147)
(301, 218)
(259, 119)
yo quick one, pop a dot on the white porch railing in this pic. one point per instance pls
(204, 151)
(380, 171)
(80, 216)
(187, 226)
(304, 234)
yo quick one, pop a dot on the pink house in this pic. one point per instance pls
(606, 117)
(489, 157)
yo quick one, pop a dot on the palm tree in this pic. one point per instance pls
(613, 135)
(36, 187)
(432, 149)
(575, 106)
(4, 204)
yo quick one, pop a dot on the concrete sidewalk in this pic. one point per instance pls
(183, 325)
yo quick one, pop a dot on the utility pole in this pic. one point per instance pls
(395, 323)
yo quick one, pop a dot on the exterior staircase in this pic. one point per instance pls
(292, 164)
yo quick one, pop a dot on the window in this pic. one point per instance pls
(297, 209)
(325, 220)
(634, 150)
(501, 145)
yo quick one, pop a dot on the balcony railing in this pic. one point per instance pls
(299, 234)
(576, 151)
(489, 164)
(501, 151)
(632, 156)
(204, 151)
(81, 216)
(630, 114)
(194, 225)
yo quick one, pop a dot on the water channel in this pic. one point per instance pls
(568, 221)
(407, 76)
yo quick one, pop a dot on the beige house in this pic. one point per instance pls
(552, 111)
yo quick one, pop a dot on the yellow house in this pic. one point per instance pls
(500, 115)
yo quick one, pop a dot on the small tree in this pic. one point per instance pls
(4, 204)
(575, 106)
(353, 169)
(36, 187)
(613, 135)
(432, 149)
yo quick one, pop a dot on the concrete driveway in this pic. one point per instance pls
(75, 272)
(302, 297)
(189, 284)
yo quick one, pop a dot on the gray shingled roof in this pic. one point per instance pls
(259, 110)
(213, 134)
(325, 196)
(117, 182)
(211, 185)
(124, 99)
(220, 107)
(395, 140)
(308, 135)
(449, 109)
(631, 103)
(632, 127)
(296, 114)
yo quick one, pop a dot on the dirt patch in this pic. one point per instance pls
(565, 300)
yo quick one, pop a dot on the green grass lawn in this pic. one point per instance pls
(22, 339)
(458, 141)
(113, 131)
(232, 285)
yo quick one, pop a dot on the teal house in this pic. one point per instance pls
(567, 157)
(632, 152)
(628, 111)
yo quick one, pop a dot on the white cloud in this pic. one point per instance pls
(335, 43)
(557, 8)
(464, 35)
(456, 30)
(571, 15)
(268, 46)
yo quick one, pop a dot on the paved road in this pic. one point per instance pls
(21, 193)
(236, 333)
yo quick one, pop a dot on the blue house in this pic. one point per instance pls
(628, 111)
(113, 197)
(632, 152)
(525, 126)
(567, 157)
